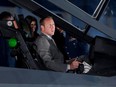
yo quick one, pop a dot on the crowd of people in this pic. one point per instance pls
(58, 50)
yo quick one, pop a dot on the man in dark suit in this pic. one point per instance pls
(52, 58)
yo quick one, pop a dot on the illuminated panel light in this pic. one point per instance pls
(12, 42)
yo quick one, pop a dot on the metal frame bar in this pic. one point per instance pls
(98, 12)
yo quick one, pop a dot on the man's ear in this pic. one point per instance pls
(42, 27)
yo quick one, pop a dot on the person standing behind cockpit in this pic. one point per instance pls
(33, 26)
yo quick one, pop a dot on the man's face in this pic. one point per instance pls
(48, 27)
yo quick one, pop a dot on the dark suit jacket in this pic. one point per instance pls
(50, 54)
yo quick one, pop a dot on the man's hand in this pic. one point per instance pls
(74, 64)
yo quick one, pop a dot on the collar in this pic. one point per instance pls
(48, 36)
